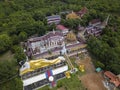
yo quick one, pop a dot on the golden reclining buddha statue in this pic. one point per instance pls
(35, 64)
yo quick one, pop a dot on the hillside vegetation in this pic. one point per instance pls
(20, 19)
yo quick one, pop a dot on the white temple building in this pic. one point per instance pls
(41, 72)
(44, 43)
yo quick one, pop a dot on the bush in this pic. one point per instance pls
(19, 53)
(99, 64)
(5, 43)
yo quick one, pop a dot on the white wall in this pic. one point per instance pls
(43, 76)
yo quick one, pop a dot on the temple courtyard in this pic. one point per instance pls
(88, 80)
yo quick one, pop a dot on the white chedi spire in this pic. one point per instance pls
(53, 31)
(106, 22)
(64, 50)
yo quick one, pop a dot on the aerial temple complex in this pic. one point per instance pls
(48, 55)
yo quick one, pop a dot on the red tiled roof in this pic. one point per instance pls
(61, 27)
(110, 74)
(116, 82)
(82, 11)
(113, 78)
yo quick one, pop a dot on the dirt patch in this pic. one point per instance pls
(89, 67)
(91, 80)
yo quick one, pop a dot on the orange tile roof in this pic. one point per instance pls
(113, 78)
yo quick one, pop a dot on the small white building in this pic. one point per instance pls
(62, 29)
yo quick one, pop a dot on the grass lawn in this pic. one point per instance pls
(6, 56)
(67, 84)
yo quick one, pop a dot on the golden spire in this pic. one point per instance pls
(71, 36)
(72, 15)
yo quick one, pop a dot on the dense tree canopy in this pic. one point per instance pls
(106, 49)
(20, 19)
(5, 42)
(19, 53)
(7, 70)
(9, 76)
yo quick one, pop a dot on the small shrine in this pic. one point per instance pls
(71, 37)
(72, 15)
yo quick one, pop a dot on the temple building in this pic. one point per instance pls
(82, 12)
(44, 43)
(41, 72)
(53, 19)
(72, 15)
(62, 29)
(95, 27)
(80, 28)
(98, 23)
(94, 31)
(95, 22)
(112, 78)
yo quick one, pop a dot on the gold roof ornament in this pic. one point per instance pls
(71, 36)
(36, 64)
(72, 15)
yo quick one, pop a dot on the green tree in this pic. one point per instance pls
(39, 15)
(5, 42)
(15, 39)
(7, 70)
(22, 36)
(19, 54)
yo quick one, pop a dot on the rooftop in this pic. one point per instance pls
(113, 78)
(72, 15)
(82, 11)
(95, 21)
(48, 35)
(61, 27)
